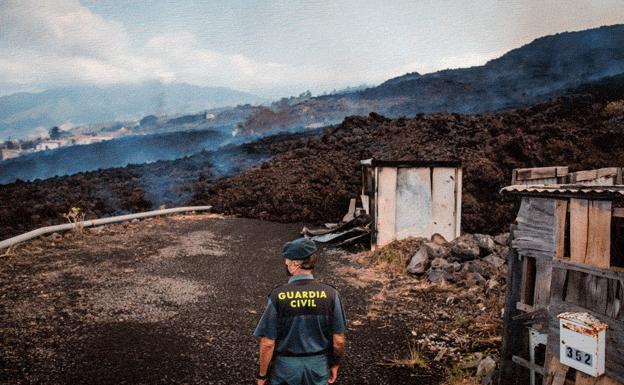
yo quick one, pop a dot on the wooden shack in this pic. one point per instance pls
(566, 255)
(411, 199)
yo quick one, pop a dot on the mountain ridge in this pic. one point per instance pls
(546, 67)
(22, 112)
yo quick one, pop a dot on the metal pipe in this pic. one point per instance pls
(96, 222)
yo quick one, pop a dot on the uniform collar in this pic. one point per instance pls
(299, 277)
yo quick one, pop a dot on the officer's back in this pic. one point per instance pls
(303, 325)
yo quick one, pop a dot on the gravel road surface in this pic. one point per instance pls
(173, 300)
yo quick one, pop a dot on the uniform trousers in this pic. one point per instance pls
(311, 370)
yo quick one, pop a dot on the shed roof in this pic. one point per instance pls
(565, 190)
(372, 162)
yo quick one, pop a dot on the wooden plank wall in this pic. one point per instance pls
(386, 205)
(443, 195)
(584, 283)
(535, 234)
(590, 232)
(540, 223)
(458, 200)
(539, 175)
(588, 290)
(559, 174)
(599, 177)
(415, 202)
(561, 213)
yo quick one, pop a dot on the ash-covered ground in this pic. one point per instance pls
(176, 299)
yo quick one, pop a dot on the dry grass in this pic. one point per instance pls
(396, 254)
(458, 376)
(414, 359)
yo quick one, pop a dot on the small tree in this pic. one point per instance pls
(54, 133)
(75, 216)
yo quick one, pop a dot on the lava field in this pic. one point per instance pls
(310, 176)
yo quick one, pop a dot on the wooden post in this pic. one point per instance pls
(561, 213)
(512, 329)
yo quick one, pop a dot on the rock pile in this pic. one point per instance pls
(472, 259)
(450, 295)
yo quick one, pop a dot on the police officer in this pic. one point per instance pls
(302, 328)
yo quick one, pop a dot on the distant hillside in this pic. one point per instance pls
(20, 113)
(545, 68)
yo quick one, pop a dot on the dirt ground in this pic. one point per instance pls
(176, 299)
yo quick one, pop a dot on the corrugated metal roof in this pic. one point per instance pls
(563, 189)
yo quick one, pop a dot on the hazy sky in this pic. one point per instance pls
(269, 47)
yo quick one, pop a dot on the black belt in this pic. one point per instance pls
(290, 354)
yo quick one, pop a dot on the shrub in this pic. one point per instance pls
(615, 108)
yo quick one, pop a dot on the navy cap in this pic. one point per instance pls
(299, 249)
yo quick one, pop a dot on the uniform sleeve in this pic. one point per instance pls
(267, 326)
(340, 321)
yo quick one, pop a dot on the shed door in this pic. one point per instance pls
(413, 205)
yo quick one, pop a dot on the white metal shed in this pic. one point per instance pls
(412, 199)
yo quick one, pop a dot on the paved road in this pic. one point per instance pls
(168, 301)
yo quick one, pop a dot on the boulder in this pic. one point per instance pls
(475, 279)
(438, 239)
(465, 248)
(419, 262)
(502, 239)
(486, 366)
(438, 276)
(486, 243)
(441, 263)
(494, 260)
(502, 251)
(436, 251)
(490, 285)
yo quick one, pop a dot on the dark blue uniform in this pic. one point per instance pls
(302, 316)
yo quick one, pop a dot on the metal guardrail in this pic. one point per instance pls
(96, 222)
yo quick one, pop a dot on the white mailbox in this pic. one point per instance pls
(582, 346)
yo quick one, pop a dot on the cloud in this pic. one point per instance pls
(60, 27)
(180, 58)
(62, 42)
